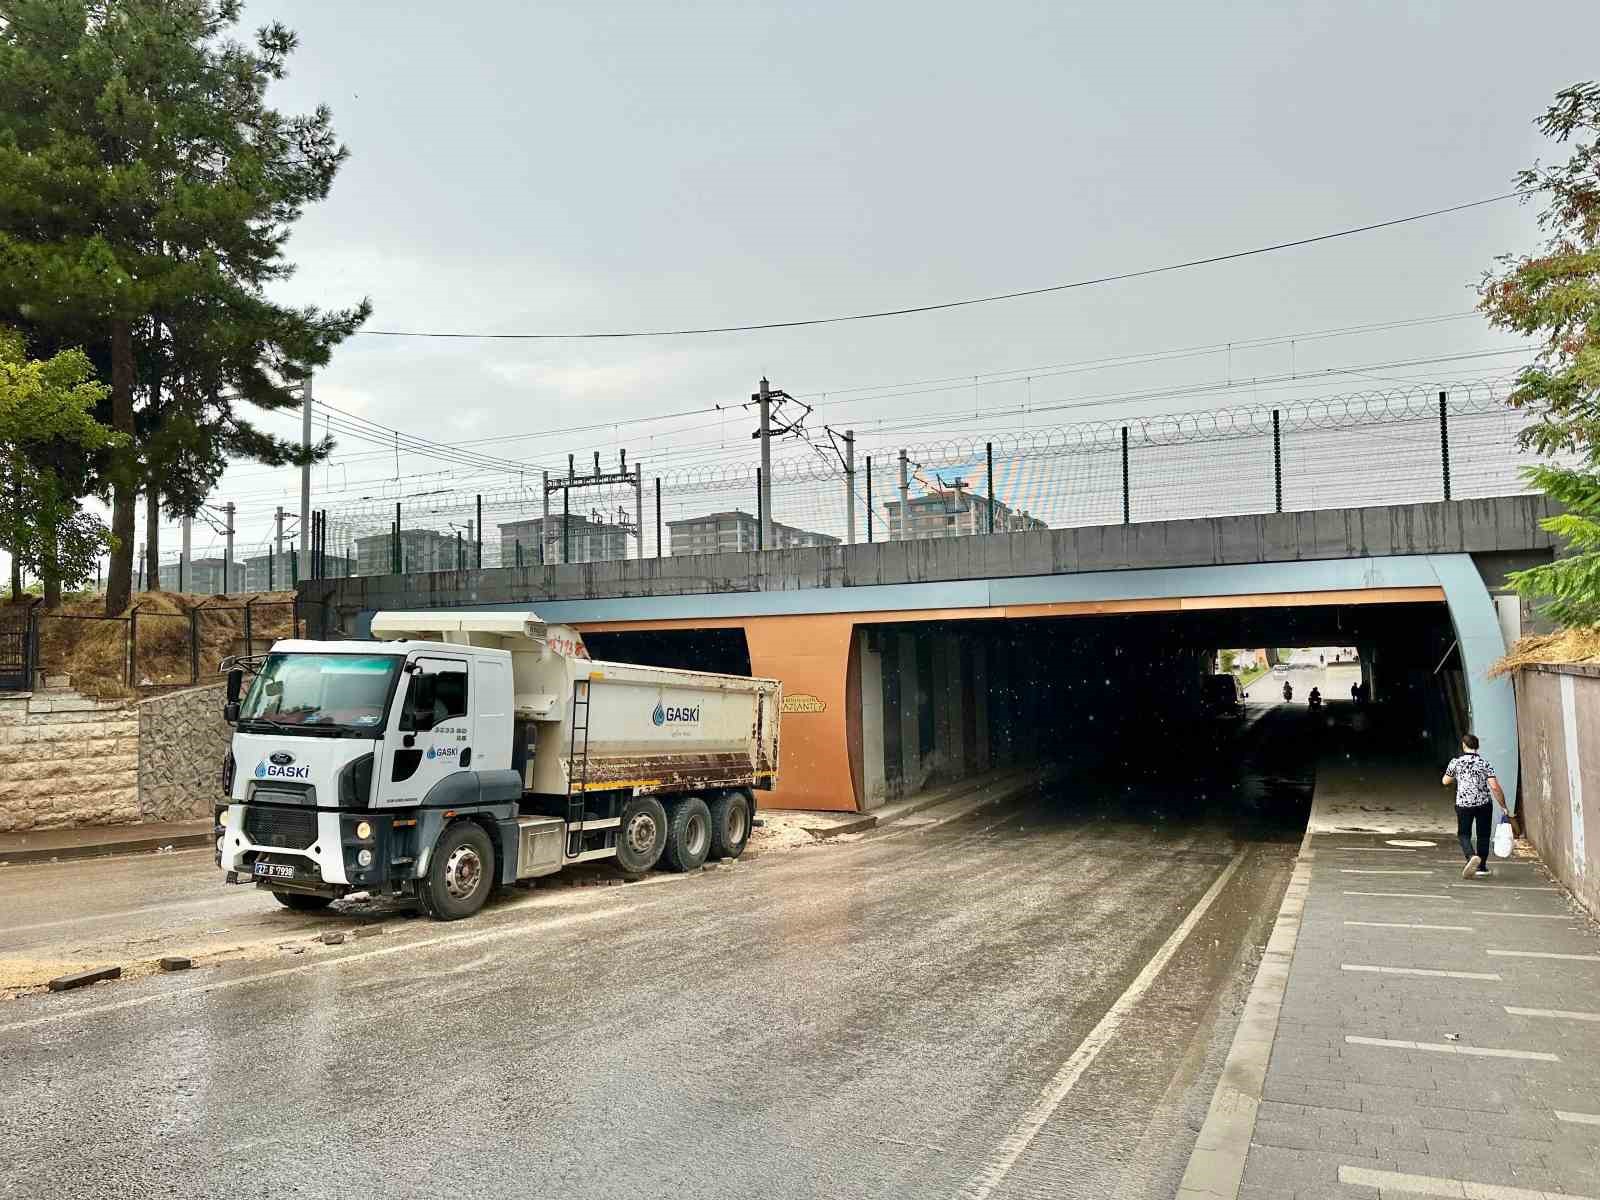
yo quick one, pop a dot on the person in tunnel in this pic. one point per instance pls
(1288, 692)
(1478, 794)
(1315, 698)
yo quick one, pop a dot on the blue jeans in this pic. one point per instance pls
(1481, 815)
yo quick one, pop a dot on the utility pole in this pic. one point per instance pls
(850, 487)
(905, 508)
(305, 445)
(185, 559)
(544, 526)
(277, 558)
(763, 399)
(227, 555)
(638, 504)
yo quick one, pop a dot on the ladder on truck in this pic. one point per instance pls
(577, 767)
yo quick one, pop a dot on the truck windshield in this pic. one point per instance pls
(320, 692)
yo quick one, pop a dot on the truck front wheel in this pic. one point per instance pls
(302, 902)
(460, 873)
(688, 834)
(730, 824)
(641, 834)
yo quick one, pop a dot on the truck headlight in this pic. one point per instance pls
(364, 858)
(363, 831)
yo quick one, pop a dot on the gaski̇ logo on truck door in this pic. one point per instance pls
(667, 714)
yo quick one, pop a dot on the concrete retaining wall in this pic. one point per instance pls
(1558, 727)
(67, 760)
(182, 741)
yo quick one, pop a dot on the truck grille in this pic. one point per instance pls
(291, 828)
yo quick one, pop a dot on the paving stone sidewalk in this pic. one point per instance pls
(1437, 1037)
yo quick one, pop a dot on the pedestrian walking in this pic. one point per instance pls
(1478, 794)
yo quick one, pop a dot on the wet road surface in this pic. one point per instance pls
(904, 1015)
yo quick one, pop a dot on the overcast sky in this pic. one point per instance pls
(546, 167)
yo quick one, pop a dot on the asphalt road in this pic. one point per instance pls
(1030, 1000)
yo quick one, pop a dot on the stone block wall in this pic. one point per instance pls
(67, 760)
(182, 741)
(1558, 734)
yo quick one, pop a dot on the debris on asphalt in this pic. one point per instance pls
(78, 979)
(175, 962)
(331, 939)
(366, 931)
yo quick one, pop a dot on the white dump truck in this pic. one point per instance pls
(462, 750)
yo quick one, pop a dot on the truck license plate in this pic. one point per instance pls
(275, 870)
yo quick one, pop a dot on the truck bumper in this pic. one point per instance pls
(317, 850)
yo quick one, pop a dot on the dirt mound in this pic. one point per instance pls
(180, 638)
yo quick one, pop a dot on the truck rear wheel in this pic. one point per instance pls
(460, 873)
(301, 902)
(730, 824)
(642, 834)
(688, 834)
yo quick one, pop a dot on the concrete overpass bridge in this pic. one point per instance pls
(905, 662)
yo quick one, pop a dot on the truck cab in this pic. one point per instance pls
(464, 751)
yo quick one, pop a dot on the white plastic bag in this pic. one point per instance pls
(1502, 838)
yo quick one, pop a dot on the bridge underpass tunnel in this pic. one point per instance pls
(1099, 701)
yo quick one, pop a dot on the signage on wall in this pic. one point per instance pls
(803, 702)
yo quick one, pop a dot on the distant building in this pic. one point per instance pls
(725, 532)
(955, 512)
(279, 572)
(202, 577)
(586, 541)
(420, 550)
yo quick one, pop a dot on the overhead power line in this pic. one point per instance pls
(1093, 281)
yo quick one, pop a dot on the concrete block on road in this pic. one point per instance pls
(78, 979)
(175, 962)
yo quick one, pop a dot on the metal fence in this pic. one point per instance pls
(1443, 441)
(147, 648)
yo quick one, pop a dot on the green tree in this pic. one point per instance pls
(147, 191)
(1553, 294)
(45, 405)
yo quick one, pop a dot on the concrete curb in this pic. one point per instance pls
(130, 845)
(1216, 1165)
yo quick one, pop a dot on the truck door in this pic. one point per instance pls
(430, 734)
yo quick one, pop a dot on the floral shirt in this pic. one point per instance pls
(1472, 773)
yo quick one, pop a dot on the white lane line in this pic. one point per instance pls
(1578, 1118)
(520, 929)
(1506, 887)
(1360, 871)
(1397, 1183)
(1425, 971)
(1369, 849)
(1484, 912)
(1411, 925)
(1405, 896)
(983, 1184)
(1543, 954)
(1561, 1013)
(1453, 1048)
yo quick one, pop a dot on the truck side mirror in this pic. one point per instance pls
(230, 710)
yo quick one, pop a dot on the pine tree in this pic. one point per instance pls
(1554, 294)
(146, 196)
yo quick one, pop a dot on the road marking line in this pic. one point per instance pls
(1484, 912)
(1506, 887)
(1430, 973)
(1453, 1048)
(1405, 896)
(1368, 849)
(1012, 1146)
(1578, 1118)
(520, 929)
(1564, 1014)
(1543, 954)
(1397, 1183)
(1411, 925)
(1359, 871)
